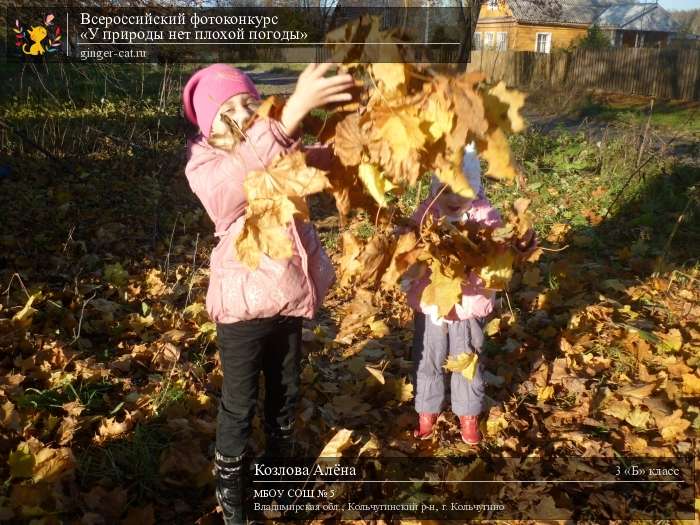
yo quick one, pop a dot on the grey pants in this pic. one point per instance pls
(431, 346)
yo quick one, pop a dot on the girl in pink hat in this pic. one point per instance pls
(258, 312)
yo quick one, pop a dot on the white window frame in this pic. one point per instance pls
(489, 42)
(548, 42)
(477, 42)
(502, 45)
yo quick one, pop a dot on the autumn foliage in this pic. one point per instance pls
(408, 120)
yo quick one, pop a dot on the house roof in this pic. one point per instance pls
(638, 17)
(620, 14)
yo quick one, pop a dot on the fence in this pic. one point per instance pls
(662, 73)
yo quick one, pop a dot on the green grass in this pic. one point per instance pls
(133, 461)
(171, 394)
(670, 115)
(90, 395)
(329, 238)
(573, 181)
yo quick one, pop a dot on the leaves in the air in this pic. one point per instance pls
(375, 183)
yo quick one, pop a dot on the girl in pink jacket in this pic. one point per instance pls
(461, 331)
(258, 313)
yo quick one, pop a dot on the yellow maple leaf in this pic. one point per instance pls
(691, 384)
(25, 315)
(493, 326)
(402, 133)
(445, 287)
(403, 390)
(378, 328)
(259, 236)
(276, 196)
(377, 185)
(439, 116)
(464, 363)
(52, 463)
(21, 462)
(545, 393)
(673, 426)
(498, 271)
(503, 107)
(495, 423)
(391, 75)
(639, 417)
(339, 442)
(496, 151)
(349, 140)
(449, 171)
(672, 341)
(286, 175)
(470, 117)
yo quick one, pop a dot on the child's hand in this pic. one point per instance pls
(313, 90)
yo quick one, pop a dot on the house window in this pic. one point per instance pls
(489, 39)
(543, 42)
(493, 5)
(477, 41)
(502, 41)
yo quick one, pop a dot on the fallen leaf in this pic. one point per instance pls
(545, 393)
(671, 341)
(52, 464)
(672, 427)
(9, 417)
(377, 374)
(403, 390)
(21, 462)
(27, 312)
(691, 384)
(338, 443)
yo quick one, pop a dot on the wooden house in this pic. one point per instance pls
(524, 25)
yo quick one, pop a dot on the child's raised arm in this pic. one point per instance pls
(313, 90)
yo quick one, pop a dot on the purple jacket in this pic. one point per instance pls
(292, 287)
(477, 301)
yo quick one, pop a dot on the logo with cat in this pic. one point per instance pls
(45, 38)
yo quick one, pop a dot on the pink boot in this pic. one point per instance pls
(426, 424)
(469, 426)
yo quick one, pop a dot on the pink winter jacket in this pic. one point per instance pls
(293, 287)
(477, 301)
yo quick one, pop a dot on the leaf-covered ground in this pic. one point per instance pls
(109, 375)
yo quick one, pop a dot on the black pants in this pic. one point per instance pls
(271, 345)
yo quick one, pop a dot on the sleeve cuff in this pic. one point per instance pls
(281, 135)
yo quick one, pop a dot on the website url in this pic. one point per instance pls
(109, 54)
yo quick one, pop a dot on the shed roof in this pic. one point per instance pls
(620, 14)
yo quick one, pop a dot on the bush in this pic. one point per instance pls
(595, 38)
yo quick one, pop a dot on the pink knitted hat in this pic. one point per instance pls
(210, 87)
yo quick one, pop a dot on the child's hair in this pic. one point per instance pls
(228, 140)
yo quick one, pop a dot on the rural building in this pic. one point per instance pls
(524, 25)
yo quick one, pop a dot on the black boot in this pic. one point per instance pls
(230, 473)
(280, 442)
